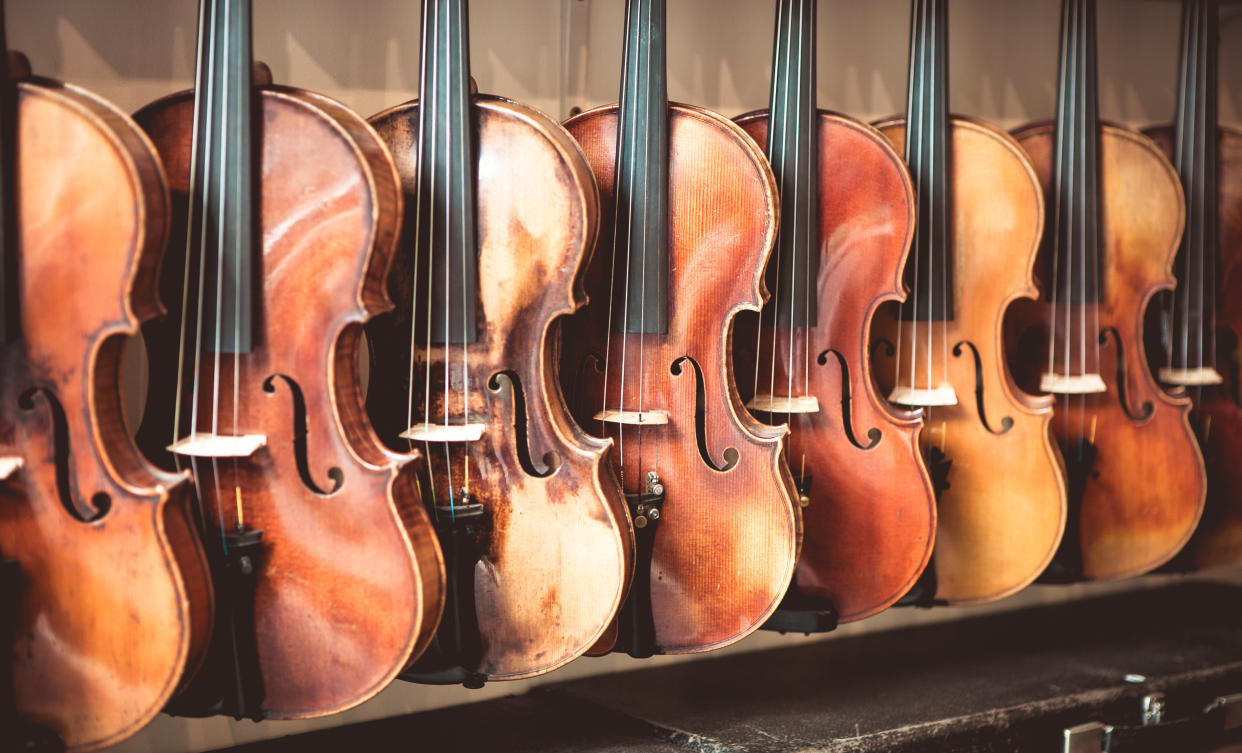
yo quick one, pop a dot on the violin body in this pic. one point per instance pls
(1217, 412)
(350, 581)
(1001, 508)
(870, 521)
(102, 631)
(1133, 515)
(728, 535)
(558, 554)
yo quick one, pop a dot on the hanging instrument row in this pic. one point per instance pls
(459, 394)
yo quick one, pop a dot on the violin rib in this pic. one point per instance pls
(1134, 513)
(870, 522)
(103, 620)
(1002, 514)
(729, 531)
(350, 582)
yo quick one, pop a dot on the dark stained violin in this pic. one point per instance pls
(689, 222)
(1000, 483)
(1199, 352)
(501, 213)
(100, 625)
(1116, 215)
(847, 218)
(286, 207)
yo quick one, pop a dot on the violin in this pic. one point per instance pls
(326, 569)
(501, 213)
(689, 222)
(1135, 474)
(847, 219)
(999, 479)
(1199, 352)
(95, 613)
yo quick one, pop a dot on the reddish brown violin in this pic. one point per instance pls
(501, 214)
(1200, 349)
(690, 208)
(100, 630)
(1136, 477)
(847, 218)
(287, 208)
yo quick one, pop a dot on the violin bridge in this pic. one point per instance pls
(784, 404)
(923, 396)
(428, 432)
(1200, 377)
(10, 464)
(218, 445)
(633, 417)
(1071, 384)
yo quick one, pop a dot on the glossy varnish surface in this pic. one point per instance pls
(727, 540)
(869, 527)
(103, 623)
(1001, 517)
(559, 552)
(1146, 487)
(350, 580)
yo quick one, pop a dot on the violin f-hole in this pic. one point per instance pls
(299, 438)
(101, 502)
(1006, 422)
(1146, 408)
(520, 435)
(731, 454)
(847, 400)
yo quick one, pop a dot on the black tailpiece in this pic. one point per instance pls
(454, 654)
(636, 626)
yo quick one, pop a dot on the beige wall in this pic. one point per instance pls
(365, 52)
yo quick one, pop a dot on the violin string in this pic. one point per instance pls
(1198, 235)
(776, 160)
(1067, 181)
(221, 243)
(1082, 175)
(244, 243)
(939, 226)
(925, 161)
(441, 94)
(1209, 26)
(195, 155)
(417, 251)
(645, 106)
(1176, 328)
(1055, 246)
(795, 249)
(812, 167)
(612, 262)
(1188, 248)
(914, 149)
(631, 168)
(780, 238)
(460, 90)
(432, 106)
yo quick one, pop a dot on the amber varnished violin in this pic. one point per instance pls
(847, 218)
(1203, 321)
(690, 219)
(93, 599)
(1000, 485)
(1115, 218)
(501, 213)
(286, 208)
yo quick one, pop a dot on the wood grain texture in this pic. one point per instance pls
(103, 622)
(1001, 518)
(347, 584)
(559, 553)
(1217, 412)
(1146, 488)
(870, 524)
(728, 540)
